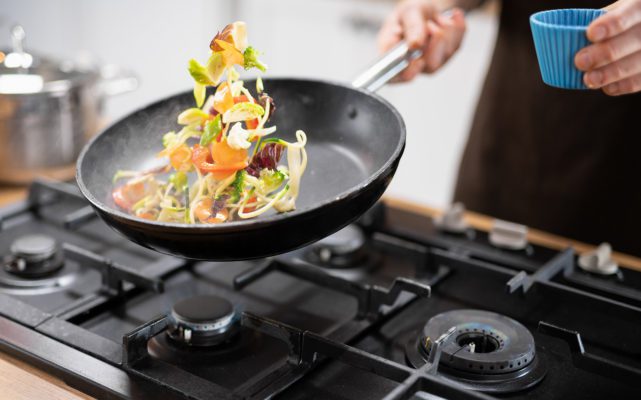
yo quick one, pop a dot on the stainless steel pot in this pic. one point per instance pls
(48, 110)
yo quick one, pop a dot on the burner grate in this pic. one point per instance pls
(440, 261)
(371, 300)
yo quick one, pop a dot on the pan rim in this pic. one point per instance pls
(254, 223)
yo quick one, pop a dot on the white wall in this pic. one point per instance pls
(438, 111)
(333, 39)
(154, 38)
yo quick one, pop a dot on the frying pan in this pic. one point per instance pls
(355, 142)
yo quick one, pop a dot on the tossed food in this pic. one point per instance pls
(175, 203)
(221, 164)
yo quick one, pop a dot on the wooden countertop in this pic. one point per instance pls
(484, 223)
(11, 194)
(20, 381)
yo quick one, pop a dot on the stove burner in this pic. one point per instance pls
(344, 254)
(488, 352)
(478, 342)
(343, 249)
(204, 320)
(34, 256)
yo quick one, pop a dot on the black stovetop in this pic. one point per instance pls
(304, 329)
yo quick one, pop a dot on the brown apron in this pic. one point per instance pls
(567, 162)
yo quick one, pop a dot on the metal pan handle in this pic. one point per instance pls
(387, 67)
(390, 64)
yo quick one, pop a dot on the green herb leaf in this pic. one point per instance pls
(215, 67)
(200, 91)
(192, 116)
(179, 180)
(237, 186)
(212, 129)
(199, 73)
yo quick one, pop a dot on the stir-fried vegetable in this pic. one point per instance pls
(214, 173)
(242, 112)
(250, 60)
(213, 128)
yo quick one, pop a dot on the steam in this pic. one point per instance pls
(131, 144)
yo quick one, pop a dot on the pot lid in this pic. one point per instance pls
(22, 72)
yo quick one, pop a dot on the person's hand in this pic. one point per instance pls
(613, 62)
(421, 25)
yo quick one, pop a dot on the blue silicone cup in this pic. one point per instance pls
(558, 36)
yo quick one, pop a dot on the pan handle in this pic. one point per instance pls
(387, 67)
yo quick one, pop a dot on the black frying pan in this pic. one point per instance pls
(354, 143)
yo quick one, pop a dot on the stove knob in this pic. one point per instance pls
(453, 219)
(599, 261)
(508, 235)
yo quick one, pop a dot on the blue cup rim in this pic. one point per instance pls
(535, 21)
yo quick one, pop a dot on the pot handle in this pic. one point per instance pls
(115, 80)
(386, 67)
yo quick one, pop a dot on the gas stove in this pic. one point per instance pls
(396, 306)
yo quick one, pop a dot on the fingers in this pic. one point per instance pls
(613, 62)
(606, 52)
(434, 51)
(614, 5)
(408, 22)
(418, 22)
(413, 27)
(415, 68)
(625, 86)
(391, 33)
(455, 29)
(622, 69)
(619, 17)
(445, 36)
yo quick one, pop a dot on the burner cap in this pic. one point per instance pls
(343, 249)
(34, 248)
(34, 256)
(202, 309)
(203, 320)
(488, 351)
